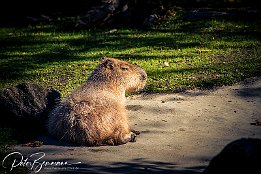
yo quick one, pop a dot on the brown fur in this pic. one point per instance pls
(95, 114)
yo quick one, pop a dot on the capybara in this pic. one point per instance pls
(95, 114)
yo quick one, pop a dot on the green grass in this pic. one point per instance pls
(200, 54)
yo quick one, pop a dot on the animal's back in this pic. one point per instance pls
(88, 118)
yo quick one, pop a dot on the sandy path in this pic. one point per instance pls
(180, 133)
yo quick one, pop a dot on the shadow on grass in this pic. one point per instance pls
(20, 55)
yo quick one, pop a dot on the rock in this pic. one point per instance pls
(240, 156)
(26, 106)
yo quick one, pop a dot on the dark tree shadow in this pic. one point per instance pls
(137, 166)
(249, 92)
(249, 89)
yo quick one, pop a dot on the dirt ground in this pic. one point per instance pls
(180, 133)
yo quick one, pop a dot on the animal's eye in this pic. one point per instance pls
(124, 68)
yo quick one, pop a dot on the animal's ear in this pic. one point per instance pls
(108, 63)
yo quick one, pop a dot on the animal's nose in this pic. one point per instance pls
(143, 76)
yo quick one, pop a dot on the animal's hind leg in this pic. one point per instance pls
(123, 139)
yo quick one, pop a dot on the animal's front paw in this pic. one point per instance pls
(135, 132)
(133, 137)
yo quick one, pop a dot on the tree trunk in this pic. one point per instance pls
(101, 14)
(124, 12)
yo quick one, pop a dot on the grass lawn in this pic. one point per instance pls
(178, 54)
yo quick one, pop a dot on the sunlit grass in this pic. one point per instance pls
(177, 54)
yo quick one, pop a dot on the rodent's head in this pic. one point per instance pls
(117, 72)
